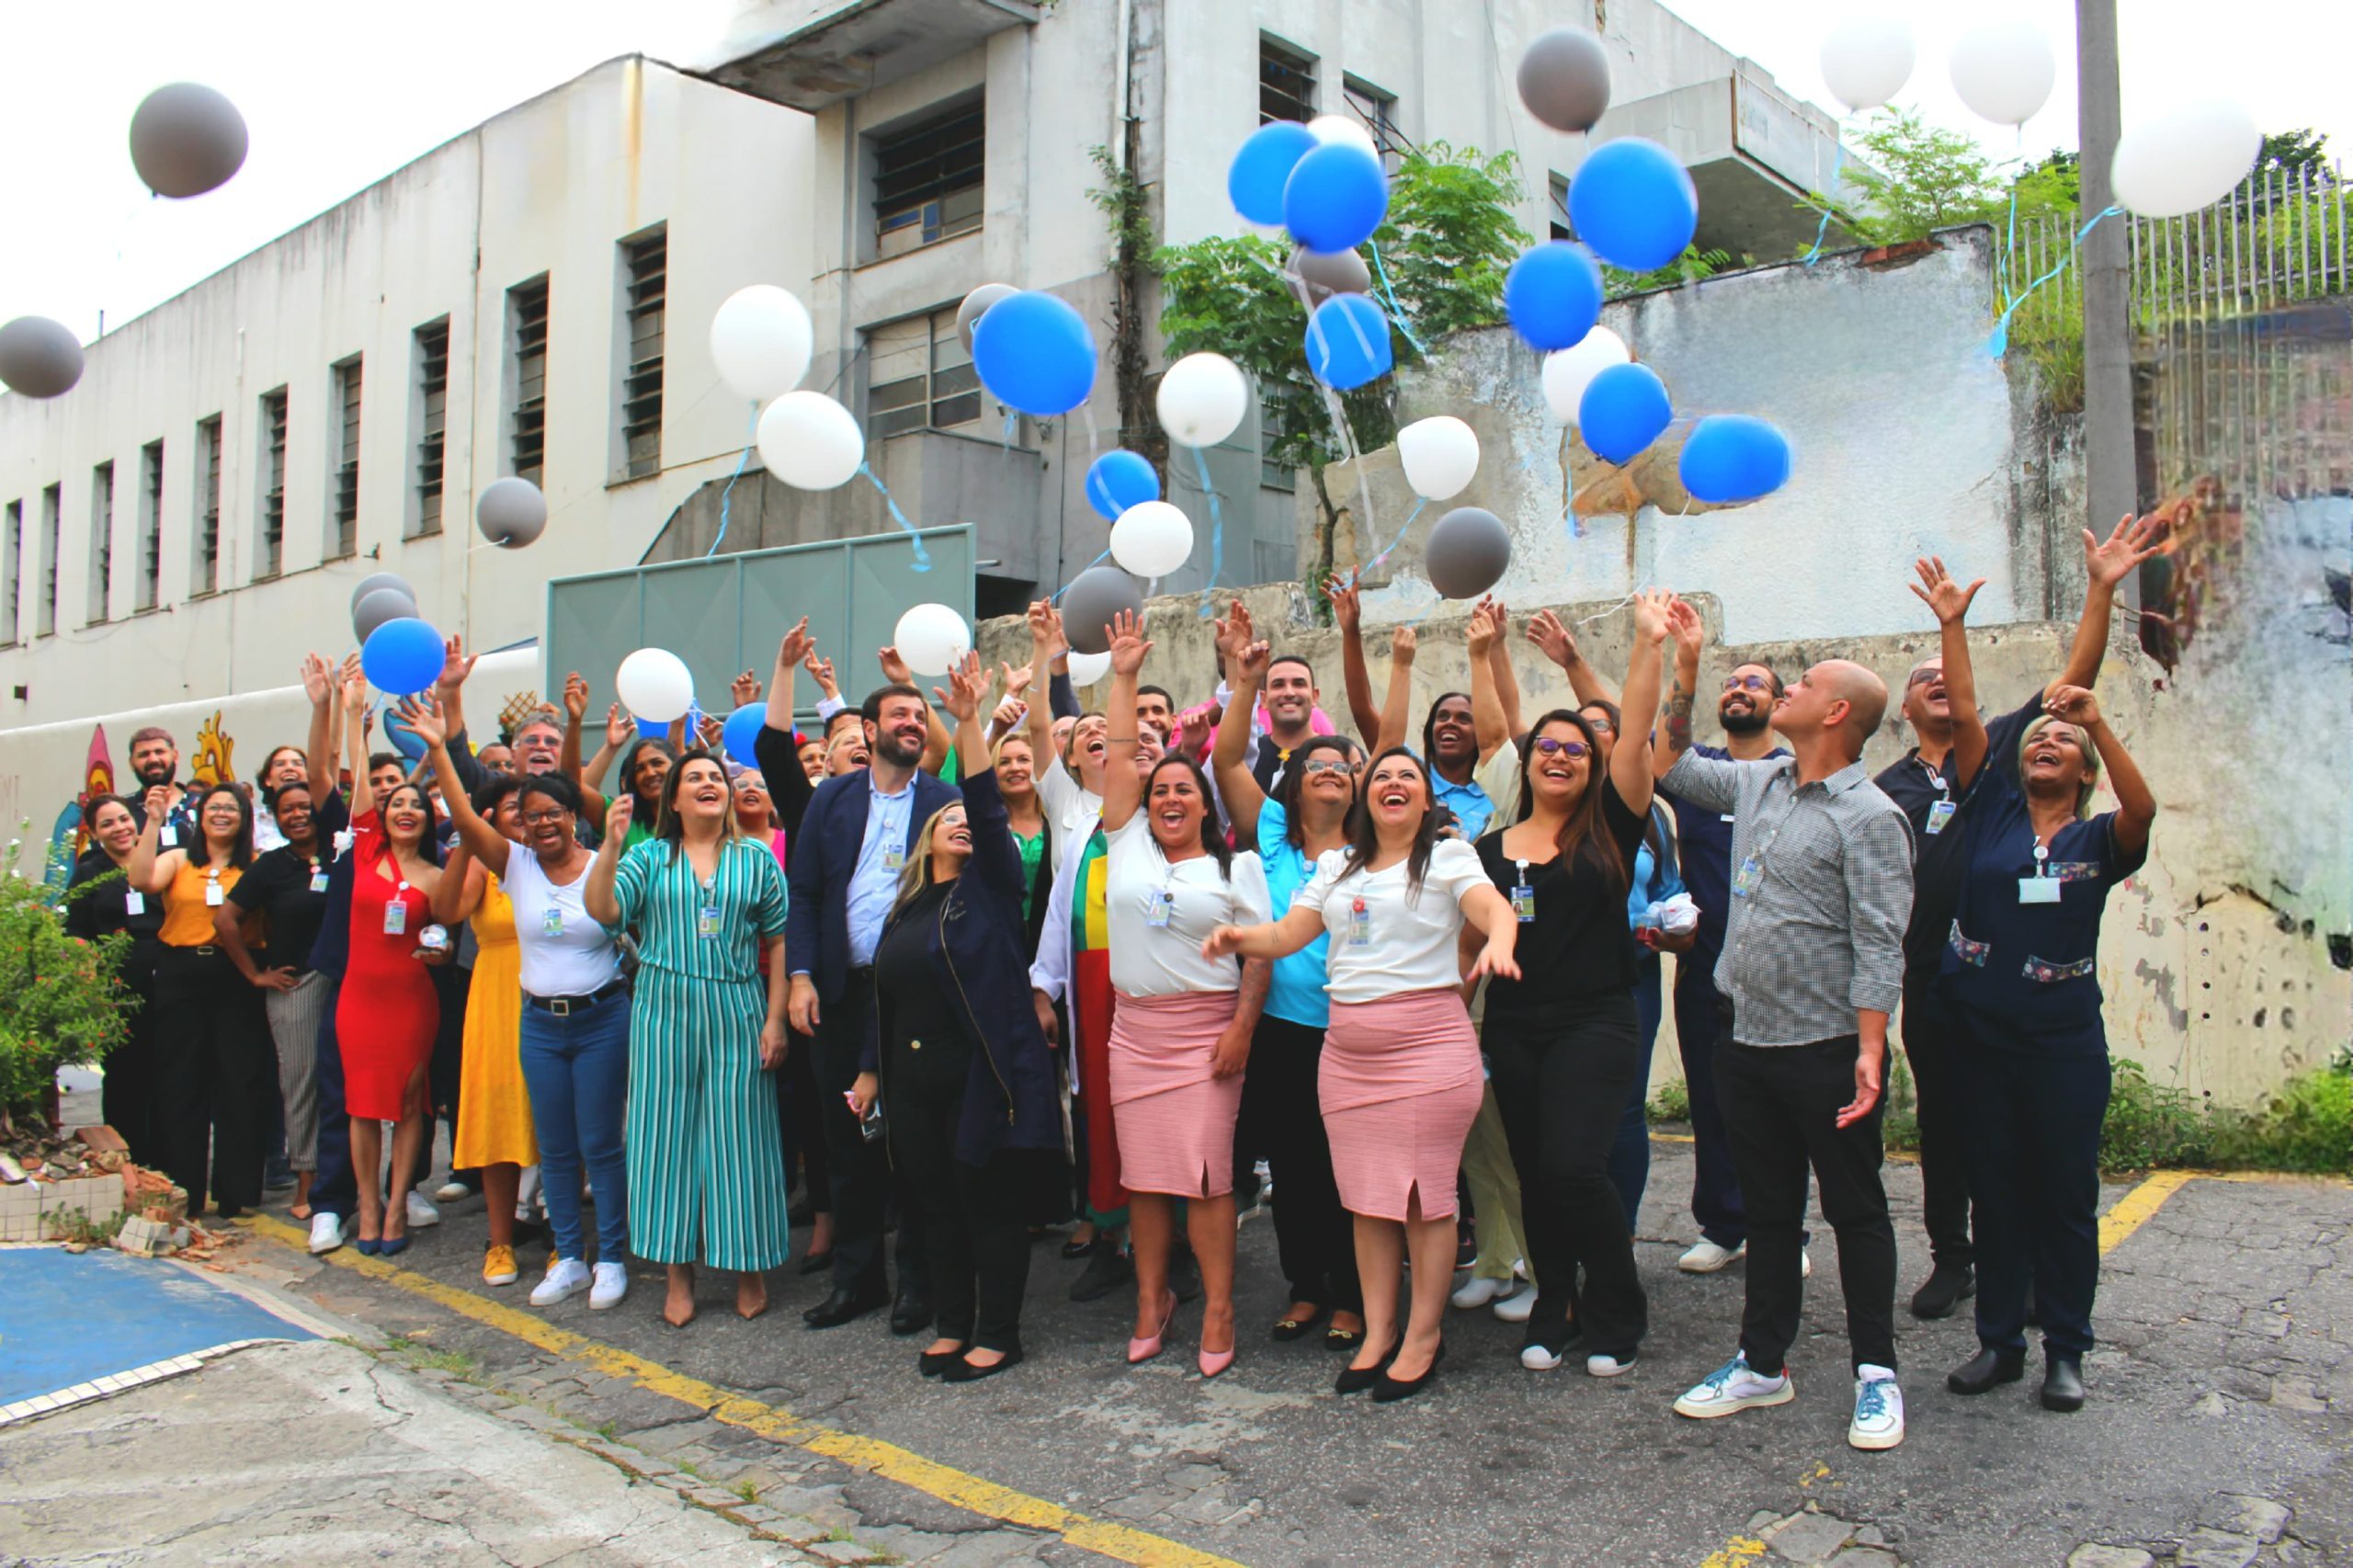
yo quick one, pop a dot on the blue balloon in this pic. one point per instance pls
(1034, 353)
(1734, 456)
(1634, 204)
(1553, 295)
(1264, 163)
(1335, 197)
(1347, 342)
(405, 740)
(402, 657)
(1624, 410)
(742, 728)
(1121, 479)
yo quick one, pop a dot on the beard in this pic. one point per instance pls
(1748, 723)
(897, 753)
(154, 773)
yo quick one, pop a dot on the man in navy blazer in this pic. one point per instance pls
(845, 865)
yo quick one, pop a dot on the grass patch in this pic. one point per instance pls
(424, 1358)
(746, 1490)
(1671, 1103)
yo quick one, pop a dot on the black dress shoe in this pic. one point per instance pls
(910, 1314)
(817, 1262)
(1106, 1272)
(933, 1363)
(1987, 1370)
(1356, 1379)
(1389, 1390)
(965, 1372)
(1286, 1329)
(1949, 1285)
(843, 1306)
(2063, 1385)
(1185, 1275)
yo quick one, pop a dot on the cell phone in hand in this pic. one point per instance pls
(870, 1126)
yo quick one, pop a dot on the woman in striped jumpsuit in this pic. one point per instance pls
(706, 1168)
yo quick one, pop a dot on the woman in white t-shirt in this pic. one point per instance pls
(1181, 1031)
(1400, 1081)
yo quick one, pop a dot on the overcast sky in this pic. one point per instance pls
(339, 93)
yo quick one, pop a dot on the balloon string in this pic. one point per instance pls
(1217, 535)
(1357, 326)
(1829, 201)
(1090, 566)
(1396, 312)
(923, 556)
(1373, 564)
(1613, 609)
(1999, 343)
(740, 461)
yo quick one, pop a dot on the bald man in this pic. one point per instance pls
(1813, 966)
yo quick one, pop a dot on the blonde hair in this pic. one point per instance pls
(2084, 790)
(915, 875)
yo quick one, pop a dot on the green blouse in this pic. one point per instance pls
(704, 931)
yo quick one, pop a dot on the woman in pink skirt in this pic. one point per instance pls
(1181, 1031)
(1401, 1081)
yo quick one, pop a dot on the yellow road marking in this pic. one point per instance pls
(1737, 1552)
(871, 1454)
(2135, 1208)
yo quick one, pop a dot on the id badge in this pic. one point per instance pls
(1744, 881)
(395, 918)
(707, 922)
(170, 836)
(1523, 903)
(1158, 906)
(135, 903)
(551, 921)
(213, 897)
(1359, 925)
(1940, 813)
(318, 878)
(2039, 890)
(894, 858)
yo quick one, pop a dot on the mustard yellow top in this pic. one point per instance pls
(188, 918)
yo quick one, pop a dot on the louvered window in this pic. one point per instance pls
(645, 266)
(927, 181)
(526, 309)
(433, 422)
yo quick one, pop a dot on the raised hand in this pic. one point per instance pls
(796, 645)
(1008, 715)
(575, 696)
(1938, 590)
(355, 685)
(1194, 727)
(318, 679)
(744, 688)
(1552, 640)
(968, 683)
(1485, 624)
(2074, 704)
(1653, 611)
(1690, 633)
(160, 799)
(894, 668)
(423, 716)
(1252, 662)
(710, 734)
(1234, 632)
(618, 726)
(455, 667)
(618, 812)
(1402, 642)
(821, 672)
(1348, 604)
(1017, 679)
(1128, 646)
(2110, 561)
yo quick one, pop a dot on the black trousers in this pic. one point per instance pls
(858, 1173)
(974, 1220)
(2033, 1147)
(1780, 1106)
(1562, 1079)
(214, 1066)
(1700, 1032)
(800, 1110)
(126, 1095)
(1932, 1042)
(1282, 1122)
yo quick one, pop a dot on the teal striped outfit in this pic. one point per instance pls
(706, 1154)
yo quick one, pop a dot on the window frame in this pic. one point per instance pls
(1376, 107)
(1284, 55)
(925, 206)
(270, 559)
(940, 333)
(101, 585)
(148, 593)
(530, 311)
(204, 542)
(429, 481)
(643, 297)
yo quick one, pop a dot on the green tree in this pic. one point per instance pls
(1450, 238)
(2290, 151)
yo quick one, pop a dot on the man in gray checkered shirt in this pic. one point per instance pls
(1813, 966)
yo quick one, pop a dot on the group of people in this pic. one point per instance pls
(977, 962)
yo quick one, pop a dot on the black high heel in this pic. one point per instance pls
(1356, 1379)
(1286, 1329)
(1389, 1390)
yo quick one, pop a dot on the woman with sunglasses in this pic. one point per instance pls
(1280, 1117)
(1563, 1039)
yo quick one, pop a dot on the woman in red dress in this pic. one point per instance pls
(387, 1014)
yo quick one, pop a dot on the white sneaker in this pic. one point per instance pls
(1805, 1263)
(1706, 1257)
(1517, 1307)
(1609, 1366)
(1879, 1410)
(612, 1284)
(421, 1211)
(1731, 1388)
(1539, 1358)
(566, 1277)
(1477, 1292)
(452, 1191)
(326, 1231)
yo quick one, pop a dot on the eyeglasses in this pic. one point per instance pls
(1570, 749)
(1921, 678)
(1748, 683)
(1601, 726)
(542, 819)
(1315, 765)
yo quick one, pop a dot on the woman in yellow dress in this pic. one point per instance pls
(493, 1133)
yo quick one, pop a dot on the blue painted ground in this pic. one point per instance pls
(68, 1318)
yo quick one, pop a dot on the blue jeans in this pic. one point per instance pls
(335, 1189)
(1629, 1154)
(577, 1071)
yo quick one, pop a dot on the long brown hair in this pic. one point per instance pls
(1585, 833)
(1364, 833)
(668, 827)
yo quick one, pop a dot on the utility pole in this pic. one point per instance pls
(2111, 467)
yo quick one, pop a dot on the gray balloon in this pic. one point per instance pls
(976, 305)
(1341, 272)
(383, 605)
(1565, 79)
(1093, 599)
(187, 139)
(375, 580)
(1467, 553)
(511, 512)
(39, 357)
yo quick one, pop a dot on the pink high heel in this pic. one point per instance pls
(1145, 1349)
(1215, 1361)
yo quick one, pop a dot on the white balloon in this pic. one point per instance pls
(1440, 455)
(1085, 669)
(1867, 58)
(931, 638)
(1568, 371)
(2186, 158)
(655, 683)
(2003, 69)
(1202, 399)
(1344, 128)
(810, 442)
(1152, 539)
(761, 340)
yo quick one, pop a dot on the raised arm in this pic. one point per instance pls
(2107, 563)
(487, 846)
(1045, 637)
(604, 905)
(1276, 939)
(1683, 626)
(1348, 609)
(1487, 724)
(1396, 708)
(1506, 678)
(1950, 603)
(355, 739)
(996, 859)
(150, 871)
(1558, 643)
(459, 893)
(1630, 760)
(780, 760)
(590, 777)
(464, 771)
(1122, 790)
(318, 756)
(1245, 665)
(2136, 805)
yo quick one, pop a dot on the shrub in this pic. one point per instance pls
(59, 1003)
